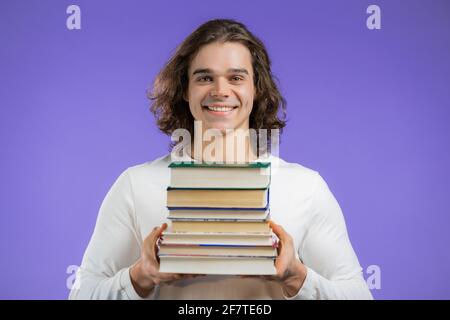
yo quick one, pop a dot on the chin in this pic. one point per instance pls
(219, 126)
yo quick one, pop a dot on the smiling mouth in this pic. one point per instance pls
(220, 108)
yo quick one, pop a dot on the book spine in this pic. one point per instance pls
(218, 208)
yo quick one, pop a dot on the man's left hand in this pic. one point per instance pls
(291, 272)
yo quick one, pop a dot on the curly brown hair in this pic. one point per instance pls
(172, 111)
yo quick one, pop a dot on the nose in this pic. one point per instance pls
(220, 89)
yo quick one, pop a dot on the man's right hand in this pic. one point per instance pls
(145, 272)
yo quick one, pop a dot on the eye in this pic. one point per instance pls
(204, 79)
(236, 78)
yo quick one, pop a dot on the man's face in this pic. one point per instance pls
(221, 90)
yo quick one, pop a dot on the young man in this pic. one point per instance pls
(219, 76)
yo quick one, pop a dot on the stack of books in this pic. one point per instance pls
(219, 217)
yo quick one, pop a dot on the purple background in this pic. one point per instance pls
(368, 109)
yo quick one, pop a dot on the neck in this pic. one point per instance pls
(232, 146)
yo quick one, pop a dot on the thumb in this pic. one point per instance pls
(278, 230)
(162, 227)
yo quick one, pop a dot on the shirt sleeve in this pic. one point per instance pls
(114, 247)
(333, 270)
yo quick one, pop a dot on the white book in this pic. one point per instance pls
(214, 177)
(242, 239)
(217, 266)
(232, 215)
(210, 250)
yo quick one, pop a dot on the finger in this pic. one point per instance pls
(281, 267)
(280, 248)
(157, 231)
(191, 276)
(151, 238)
(165, 277)
(261, 277)
(276, 228)
(180, 277)
(170, 277)
(162, 228)
(243, 276)
(154, 236)
(268, 277)
(285, 238)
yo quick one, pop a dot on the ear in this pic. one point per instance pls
(185, 97)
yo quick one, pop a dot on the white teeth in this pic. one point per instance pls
(221, 109)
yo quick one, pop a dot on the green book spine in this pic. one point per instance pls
(192, 164)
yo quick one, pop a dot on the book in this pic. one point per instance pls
(197, 175)
(218, 265)
(219, 215)
(221, 226)
(217, 198)
(210, 250)
(225, 239)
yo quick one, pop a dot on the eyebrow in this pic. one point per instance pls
(231, 70)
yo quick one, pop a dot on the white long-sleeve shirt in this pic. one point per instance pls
(300, 201)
